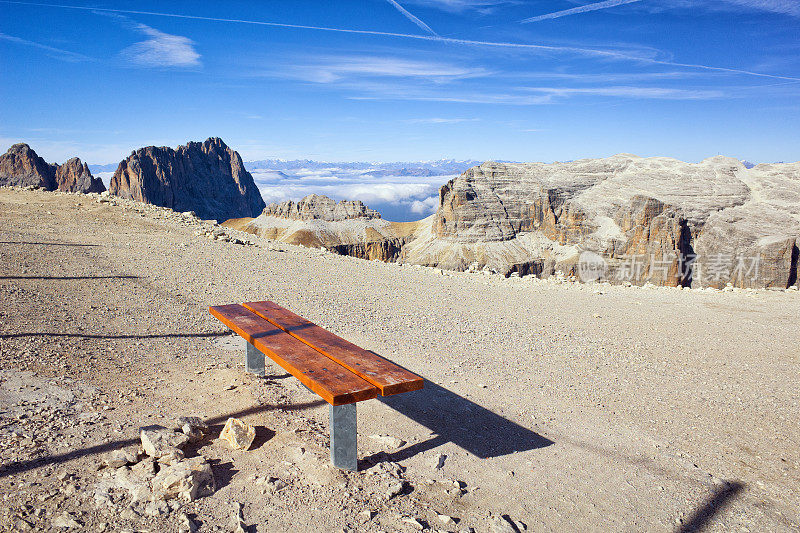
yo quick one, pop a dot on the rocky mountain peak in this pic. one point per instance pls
(205, 177)
(21, 166)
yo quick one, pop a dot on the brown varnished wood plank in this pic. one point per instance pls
(334, 383)
(387, 376)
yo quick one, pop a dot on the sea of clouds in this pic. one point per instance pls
(398, 191)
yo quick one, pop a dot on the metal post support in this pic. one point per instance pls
(254, 361)
(344, 449)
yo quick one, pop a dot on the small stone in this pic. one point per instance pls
(186, 524)
(66, 521)
(185, 480)
(156, 508)
(394, 489)
(193, 427)
(240, 435)
(159, 441)
(367, 515)
(503, 525)
(119, 458)
(438, 461)
(388, 441)
(447, 521)
(414, 522)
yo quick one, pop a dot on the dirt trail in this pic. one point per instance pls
(564, 407)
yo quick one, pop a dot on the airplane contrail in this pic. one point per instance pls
(579, 9)
(412, 18)
(607, 54)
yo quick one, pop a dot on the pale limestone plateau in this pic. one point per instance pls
(315, 206)
(207, 178)
(21, 166)
(631, 219)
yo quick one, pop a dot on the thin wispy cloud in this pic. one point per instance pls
(411, 17)
(56, 53)
(161, 50)
(455, 6)
(578, 10)
(526, 96)
(330, 69)
(537, 48)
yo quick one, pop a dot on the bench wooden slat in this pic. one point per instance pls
(334, 383)
(387, 376)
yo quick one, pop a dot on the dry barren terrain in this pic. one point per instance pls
(549, 406)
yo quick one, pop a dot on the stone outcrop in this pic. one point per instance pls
(650, 219)
(346, 228)
(317, 207)
(74, 176)
(21, 166)
(207, 178)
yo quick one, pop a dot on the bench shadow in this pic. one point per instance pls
(702, 517)
(48, 243)
(121, 336)
(68, 277)
(453, 418)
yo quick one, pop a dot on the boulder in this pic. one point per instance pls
(186, 480)
(164, 444)
(240, 435)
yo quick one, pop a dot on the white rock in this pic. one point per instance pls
(159, 441)
(185, 480)
(66, 521)
(240, 435)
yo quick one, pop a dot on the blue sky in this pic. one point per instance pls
(378, 80)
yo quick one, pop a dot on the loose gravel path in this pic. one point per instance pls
(563, 407)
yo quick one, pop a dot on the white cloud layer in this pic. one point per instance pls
(396, 197)
(161, 50)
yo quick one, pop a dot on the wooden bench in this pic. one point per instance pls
(338, 370)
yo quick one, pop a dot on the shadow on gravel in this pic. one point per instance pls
(69, 277)
(455, 419)
(47, 243)
(85, 336)
(24, 466)
(702, 517)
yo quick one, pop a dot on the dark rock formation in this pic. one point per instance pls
(74, 176)
(207, 178)
(317, 207)
(22, 167)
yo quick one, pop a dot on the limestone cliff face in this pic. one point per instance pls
(315, 206)
(22, 167)
(74, 176)
(656, 219)
(207, 178)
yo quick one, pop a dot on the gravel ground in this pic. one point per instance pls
(549, 405)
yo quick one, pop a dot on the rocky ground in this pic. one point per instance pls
(549, 406)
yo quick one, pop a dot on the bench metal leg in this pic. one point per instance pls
(254, 361)
(344, 450)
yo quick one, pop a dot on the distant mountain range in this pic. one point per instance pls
(440, 167)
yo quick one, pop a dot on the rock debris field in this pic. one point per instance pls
(549, 405)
